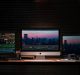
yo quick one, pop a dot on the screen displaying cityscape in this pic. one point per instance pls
(71, 44)
(40, 39)
(7, 42)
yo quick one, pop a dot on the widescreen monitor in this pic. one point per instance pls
(40, 43)
(7, 44)
(71, 45)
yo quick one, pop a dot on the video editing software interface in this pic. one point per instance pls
(7, 43)
(71, 45)
(40, 40)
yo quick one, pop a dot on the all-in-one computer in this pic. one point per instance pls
(71, 45)
(7, 45)
(40, 43)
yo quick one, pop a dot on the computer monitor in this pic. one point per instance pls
(7, 45)
(71, 44)
(40, 43)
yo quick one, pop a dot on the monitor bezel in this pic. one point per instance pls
(41, 50)
(11, 53)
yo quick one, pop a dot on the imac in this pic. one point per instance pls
(71, 45)
(40, 43)
(7, 45)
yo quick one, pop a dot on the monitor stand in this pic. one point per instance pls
(40, 58)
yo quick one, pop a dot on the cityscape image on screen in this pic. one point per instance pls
(71, 44)
(7, 42)
(40, 40)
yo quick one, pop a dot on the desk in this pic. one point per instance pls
(38, 67)
(46, 60)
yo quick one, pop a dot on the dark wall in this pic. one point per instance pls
(60, 13)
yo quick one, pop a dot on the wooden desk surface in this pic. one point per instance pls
(46, 60)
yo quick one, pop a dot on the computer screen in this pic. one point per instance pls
(7, 43)
(40, 40)
(71, 44)
(40, 43)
